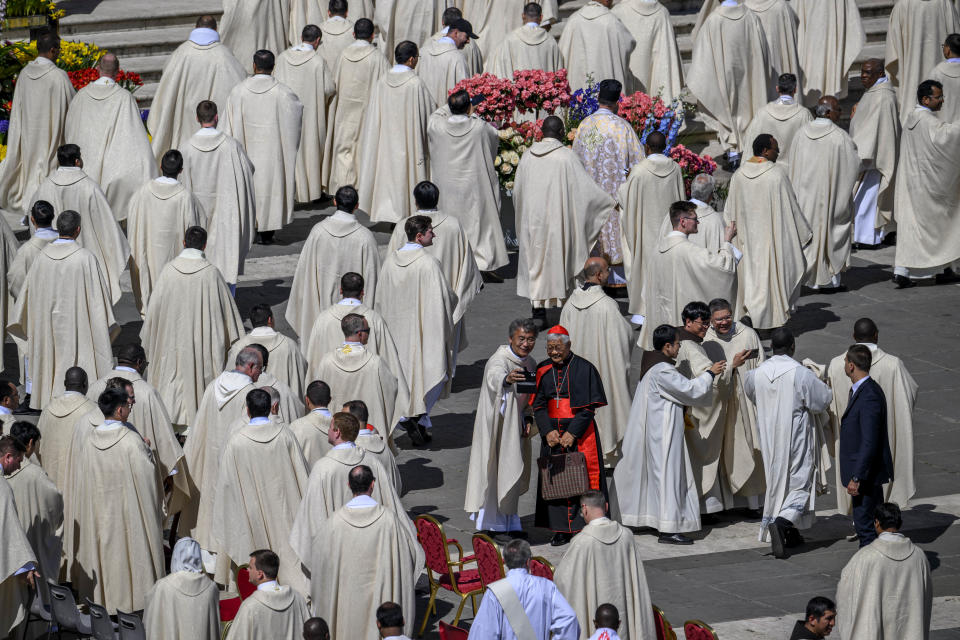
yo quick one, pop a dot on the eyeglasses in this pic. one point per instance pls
(364, 330)
(694, 218)
(723, 319)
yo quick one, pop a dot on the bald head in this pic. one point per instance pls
(596, 270)
(865, 330)
(607, 617)
(656, 142)
(870, 71)
(207, 22)
(109, 66)
(316, 629)
(75, 379)
(828, 107)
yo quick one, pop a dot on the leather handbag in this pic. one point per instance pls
(563, 475)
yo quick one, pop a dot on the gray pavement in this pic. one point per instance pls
(727, 578)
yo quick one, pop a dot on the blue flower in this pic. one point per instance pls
(144, 113)
(4, 126)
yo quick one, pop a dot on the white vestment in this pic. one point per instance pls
(655, 61)
(829, 39)
(250, 25)
(287, 364)
(595, 43)
(875, 129)
(523, 49)
(780, 119)
(442, 65)
(15, 555)
(337, 36)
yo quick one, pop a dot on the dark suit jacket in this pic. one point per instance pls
(864, 448)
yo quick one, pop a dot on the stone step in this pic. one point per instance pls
(96, 16)
(138, 42)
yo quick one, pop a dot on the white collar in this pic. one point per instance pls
(120, 367)
(203, 36)
(400, 68)
(881, 80)
(891, 535)
(270, 585)
(858, 383)
(352, 302)
(105, 81)
(72, 393)
(207, 131)
(823, 120)
(322, 411)
(109, 425)
(953, 60)
(345, 216)
(675, 233)
(303, 46)
(784, 99)
(729, 3)
(921, 107)
(5, 412)
(262, 75)
(361, 43)
(263, 331)
(350, 343)
(332, 18)
(458, 118)
(346, 445)
(367, 432)
(63, 240)
(361, 502)
(166, 180)
(410, 246)
(192, 254)
(532, 25)
(446, 39)
(43, 60)
(699, 203)
(46, 233)
(69, 169)
(259, 420)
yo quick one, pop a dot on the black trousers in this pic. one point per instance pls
(871, 496)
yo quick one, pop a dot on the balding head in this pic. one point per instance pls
(75, 379)
(316, 629)
(596, 270)
(207, 22)
(828, 107)
(109, 66)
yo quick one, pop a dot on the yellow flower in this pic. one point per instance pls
(3, 151)
(497, 161)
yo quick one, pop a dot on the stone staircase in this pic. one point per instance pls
(143, 33)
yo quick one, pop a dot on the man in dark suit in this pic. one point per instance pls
(865, 460)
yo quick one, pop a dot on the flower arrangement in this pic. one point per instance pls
(583, 103)
(539, 90)
(74, 56)
(691, 164)
(20, 8)
(126, 79)
(499, 97)
(647, 114)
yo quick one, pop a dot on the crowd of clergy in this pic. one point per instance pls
(260, 449)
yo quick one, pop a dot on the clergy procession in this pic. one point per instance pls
(597, 295)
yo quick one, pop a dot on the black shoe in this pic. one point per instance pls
(709, 518)
(675, 538)
(500, 536)
(840, 288)
(491, 276)
(265, 237)
(890, 239)
(518, 535)
(559, 539)
(424, 433)
(753, 514)
(776, 540)
(949, 276)
(792, 538)
(413, 431)
(903, 282)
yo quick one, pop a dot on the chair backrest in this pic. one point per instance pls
(244, 586)
(489, 561)
(540, 566)
(698, 630)
(131, 626)
(63, 607)
(450, 632)
(100, 621)
(664, 630)
(434, 542)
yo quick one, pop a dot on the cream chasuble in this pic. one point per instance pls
(462, 152)
(361, 68)
(772, 233)
(37, 115)
(915, 34)
(710, 234)
(183, 604)
(56, 424)
(412, 20)
(825, 163)
(780, 23)
(364, 558)
(278, 612)
(311, 434)
(417, 303)
(875, 129)
(119, 541)
(393, 146)
(336, 245)
(223, 403)
(600, 334)
(193, 73)
(652, 185)
(40, 508)
(454, 249)
(287, 364)
(731, 38)
(67, 325)
(471, 53)
(265, 116)
(159, 213)
(261, 481)
(372, 442)
(780, 119)
(602, 566)
(250, 25)
(442, 65)
(948, 74)
(560, 211)
(220, 174)
(523, 49)
(829, 39)
(15, 553)
(105, 123)
(594, 42)
(23, 257)
(72, 188)
(495, 20)
(900, 391)
(500, 454)
(655, 62)
(927, 199)
(312, 81)
(190, 294)
(337, 36)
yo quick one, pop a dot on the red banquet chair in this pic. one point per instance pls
(230, 606)
(540, 566)
(451, 574)
(697, 630)
(489, 561)
(664, 630)
(450, 632)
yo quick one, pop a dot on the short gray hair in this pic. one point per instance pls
(553, 337)
(703, 187)
(516, 555)
(248, 355)
(274, 395)
(352, 324)
(527, 325)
